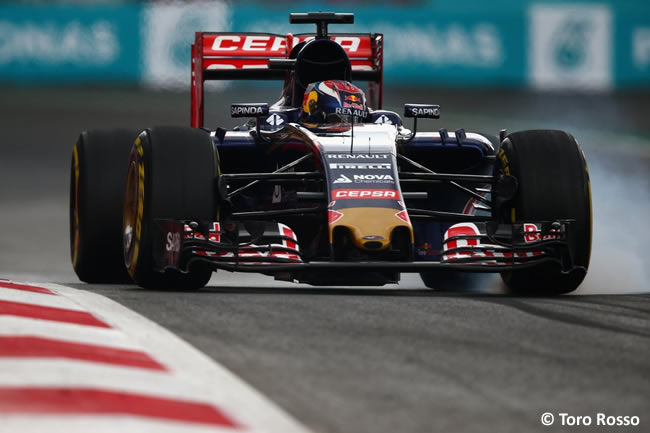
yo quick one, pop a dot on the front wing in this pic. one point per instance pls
(272, 248)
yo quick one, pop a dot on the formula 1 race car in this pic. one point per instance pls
(320, 188)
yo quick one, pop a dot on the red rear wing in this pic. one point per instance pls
(245, 56)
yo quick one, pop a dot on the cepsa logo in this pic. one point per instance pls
(274, 44)
(355, 194)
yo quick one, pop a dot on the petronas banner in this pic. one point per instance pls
(70, 44)
(510, 43)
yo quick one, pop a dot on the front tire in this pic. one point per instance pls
(171, 175)
(99, 161)
(553, 184)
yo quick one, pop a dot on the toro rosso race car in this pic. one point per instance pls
(325, 187)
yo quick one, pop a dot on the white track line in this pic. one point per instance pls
(26, 327)
(192, 375)
(52, 372)
(99, 424)
(41, 299)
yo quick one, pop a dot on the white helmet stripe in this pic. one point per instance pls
(329, 91)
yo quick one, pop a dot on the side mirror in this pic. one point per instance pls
(420, 111)
(257, 110)
(249, 110)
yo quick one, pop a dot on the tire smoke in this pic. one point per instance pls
(621, 209)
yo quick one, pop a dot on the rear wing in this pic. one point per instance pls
(245, 56)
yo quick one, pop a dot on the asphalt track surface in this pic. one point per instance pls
(394, 359)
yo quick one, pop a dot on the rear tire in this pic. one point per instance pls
(171, 175)
(99, 162)
(553, 183)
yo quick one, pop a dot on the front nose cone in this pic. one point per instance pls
(373, 245)
(370, 228)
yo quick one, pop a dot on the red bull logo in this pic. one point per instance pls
(309, 102)
(353, 98)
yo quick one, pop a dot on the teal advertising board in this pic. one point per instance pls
(70, 44)
(632, 46)
(544, 44)
(437, 45)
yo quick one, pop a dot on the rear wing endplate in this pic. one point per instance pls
(245, 56)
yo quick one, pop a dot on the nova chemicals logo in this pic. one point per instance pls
(343, 179)
(384, 119)
(373, 178)
(275, 120)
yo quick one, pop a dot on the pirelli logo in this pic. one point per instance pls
(359, 166)
(356, 194)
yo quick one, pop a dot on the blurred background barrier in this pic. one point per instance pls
(45, 43)
(541, 44)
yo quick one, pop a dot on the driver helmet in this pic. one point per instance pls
(332, 102)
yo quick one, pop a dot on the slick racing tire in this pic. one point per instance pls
(97, 179)
(171, 175)
(553, 183)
